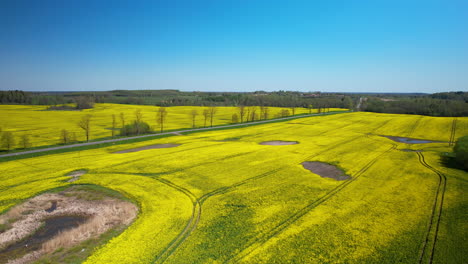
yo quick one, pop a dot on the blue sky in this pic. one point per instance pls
(239, 45)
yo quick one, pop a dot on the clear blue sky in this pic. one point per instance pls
(238, 45)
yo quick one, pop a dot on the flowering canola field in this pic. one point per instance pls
(44, 126)
(221, 197)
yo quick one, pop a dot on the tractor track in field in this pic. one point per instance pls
(413, 128)
(436, 213)
(165, 154)
(263, 238)
(197, 211)
(453, 132)
(346, 141)
(191, 223)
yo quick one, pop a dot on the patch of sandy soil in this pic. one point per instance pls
(325, 170)
(75, 175)
(157, 146)
(279, 143)
(25, 219)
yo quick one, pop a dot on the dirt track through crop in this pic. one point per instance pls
(262, 238)
(436, 212)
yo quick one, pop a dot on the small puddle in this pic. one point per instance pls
(411, 140)
(325, 170)
(51, 227)
(279, 143)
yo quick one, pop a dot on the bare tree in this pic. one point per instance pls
(193, 114)
(212, 113)
(293, 110)
(85, 124)
(206, 114)
(247, 114)
(114, 125)
(161, 117)
(241, 109)
(263, 112)
(253, 113)
(122, 119)
(310, 106)
(138, 118)
(24, 141)
(8, 141)
(64, 136)
(234, 119)
(284, 113)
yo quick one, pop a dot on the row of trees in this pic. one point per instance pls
(138, 126)
(8, 141)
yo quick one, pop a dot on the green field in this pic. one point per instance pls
(221, 197)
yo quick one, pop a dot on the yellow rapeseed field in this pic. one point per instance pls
(221, 197)
(44, 126)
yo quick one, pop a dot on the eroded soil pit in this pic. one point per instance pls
(157, 146)
(411, 140)
(279, 143)
(39, 226)
(325, 170)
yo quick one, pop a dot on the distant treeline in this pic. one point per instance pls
(178, 98)
(438, 104)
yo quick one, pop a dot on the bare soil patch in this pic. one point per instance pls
(51, 221)
(75, 175)
(411, 140)
(279, 143)
(157, 146)
(325, 170)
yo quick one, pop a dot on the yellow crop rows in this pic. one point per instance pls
(222, 197)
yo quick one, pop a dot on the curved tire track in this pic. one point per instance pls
(193, 218)
(429, 244)
(196, 212)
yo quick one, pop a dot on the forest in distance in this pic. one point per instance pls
(437, 104)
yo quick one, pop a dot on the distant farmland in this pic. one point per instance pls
(222, 197)
(44, 126)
